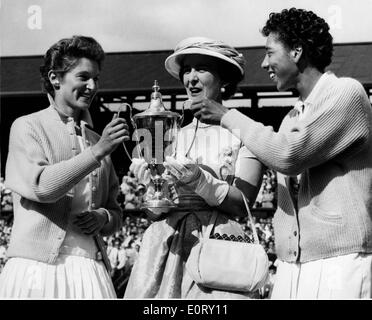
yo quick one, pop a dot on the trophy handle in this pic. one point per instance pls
(133, 124)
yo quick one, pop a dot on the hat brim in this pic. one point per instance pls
(172, 63)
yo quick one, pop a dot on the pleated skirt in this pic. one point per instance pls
(71, 277)
(342, 277)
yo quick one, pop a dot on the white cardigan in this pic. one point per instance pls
(332, 150)
(42, 167)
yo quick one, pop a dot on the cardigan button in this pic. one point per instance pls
(295, 233)
(94, 173)
(94, 188)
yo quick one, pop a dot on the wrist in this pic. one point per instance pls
(211, 189)
(228, 118)
(97, 152)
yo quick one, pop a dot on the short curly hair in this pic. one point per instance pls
(62, 56)
(301, 27)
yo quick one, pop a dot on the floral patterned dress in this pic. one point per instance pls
(159, 271)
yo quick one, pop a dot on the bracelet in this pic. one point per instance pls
(108, 214)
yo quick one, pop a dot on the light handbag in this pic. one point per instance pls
(229, 265)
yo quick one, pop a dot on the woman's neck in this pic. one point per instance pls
(307, 82)
(65, 110)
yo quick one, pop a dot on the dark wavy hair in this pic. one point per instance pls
(301, 27)
(62, 56)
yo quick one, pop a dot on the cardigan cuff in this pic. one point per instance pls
(240, 125)
(230, 119)
(94, 157)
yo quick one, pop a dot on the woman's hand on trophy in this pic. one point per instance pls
(115, 133)
(141, 171)
(200, 181)
(183, 169)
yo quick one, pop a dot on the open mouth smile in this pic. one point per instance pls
(195, 90)
(87, 96)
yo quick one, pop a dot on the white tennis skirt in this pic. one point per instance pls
(71, 277)
(342, 277)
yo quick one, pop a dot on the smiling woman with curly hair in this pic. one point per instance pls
(305, 28)
(323, 157)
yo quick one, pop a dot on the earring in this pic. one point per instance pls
(223, 89)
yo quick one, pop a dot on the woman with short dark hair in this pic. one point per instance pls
(64, 184)
(322, 153)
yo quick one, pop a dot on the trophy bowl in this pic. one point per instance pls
(156, 134)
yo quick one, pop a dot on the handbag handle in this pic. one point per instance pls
(250, 218)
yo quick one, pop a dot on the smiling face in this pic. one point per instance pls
(78, 87)
(280, 63)
(200, 77)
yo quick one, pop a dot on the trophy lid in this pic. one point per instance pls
(156, 107)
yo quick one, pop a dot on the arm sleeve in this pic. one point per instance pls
(30, 173)
(341, 125)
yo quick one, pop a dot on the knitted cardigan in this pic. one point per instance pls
(43, 165)
(332, 150)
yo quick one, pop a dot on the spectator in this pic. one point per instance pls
(6, 201)
(2, 250)
(113, 255)
(2, 185)
(122, 257)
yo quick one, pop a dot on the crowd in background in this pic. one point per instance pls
(124, 245)
(5, 221)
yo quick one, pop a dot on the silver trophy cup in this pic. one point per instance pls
(156, 134)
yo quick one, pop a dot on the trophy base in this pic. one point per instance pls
(155, 208)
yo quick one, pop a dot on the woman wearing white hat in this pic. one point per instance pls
(212, 168)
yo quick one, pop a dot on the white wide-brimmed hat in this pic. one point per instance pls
(204, 46)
